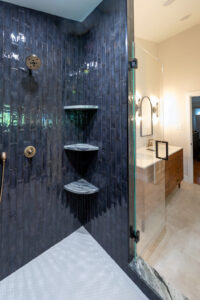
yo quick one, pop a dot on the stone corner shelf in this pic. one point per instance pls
(81, 107)
(81, 147)
(81, 187)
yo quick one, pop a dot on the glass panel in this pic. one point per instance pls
(132, 131)
(167, 161)
(146, 172)
(150, 171)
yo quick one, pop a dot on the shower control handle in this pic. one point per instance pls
(30, 151)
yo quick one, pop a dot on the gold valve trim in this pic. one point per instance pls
(30, 151)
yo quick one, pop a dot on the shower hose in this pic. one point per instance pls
(2, 176)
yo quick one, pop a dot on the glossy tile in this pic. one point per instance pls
(82, 64)
(76, 268)
(34, 214)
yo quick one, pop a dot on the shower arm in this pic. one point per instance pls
(3, 157)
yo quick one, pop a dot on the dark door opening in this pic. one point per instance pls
(196, 137)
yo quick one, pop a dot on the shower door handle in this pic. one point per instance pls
(164, 154)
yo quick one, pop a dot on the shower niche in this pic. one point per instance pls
(81, 186)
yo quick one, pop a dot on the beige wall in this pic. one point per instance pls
(169, 71)
(147, 79)
(180, 60)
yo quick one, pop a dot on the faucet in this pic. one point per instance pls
(150, 143)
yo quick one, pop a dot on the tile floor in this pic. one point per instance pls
(177, 254)
(77, 268)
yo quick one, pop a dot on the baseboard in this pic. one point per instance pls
(187, 179)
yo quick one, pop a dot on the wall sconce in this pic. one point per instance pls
(154, 105)
(138, 107)
(155, 110)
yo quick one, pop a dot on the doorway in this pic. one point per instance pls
(196, 138)
(167, 202)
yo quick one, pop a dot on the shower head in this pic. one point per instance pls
(33, 62)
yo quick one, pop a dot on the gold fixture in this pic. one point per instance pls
(30, 151)
(155, 109)
(150, 143)
(3, 157)
(33, 62)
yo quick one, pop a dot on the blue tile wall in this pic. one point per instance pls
(34, 214)
(103, 81)
(100, 77)
(82, 63)
(105, 84)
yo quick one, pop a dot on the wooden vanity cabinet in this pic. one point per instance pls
(173, 171)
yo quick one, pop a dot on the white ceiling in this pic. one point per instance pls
(156, 22)
(76, 10)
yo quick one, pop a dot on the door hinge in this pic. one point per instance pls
(134, 234)
(133, 64)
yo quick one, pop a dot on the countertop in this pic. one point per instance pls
(146, 158)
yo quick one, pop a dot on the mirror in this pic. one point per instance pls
(146, 124)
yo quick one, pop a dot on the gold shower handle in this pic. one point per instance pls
(30, 151)
(3, 157)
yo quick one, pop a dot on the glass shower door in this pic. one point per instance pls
(150, 152)
(147, 154)
(132, 158)
(131, 133)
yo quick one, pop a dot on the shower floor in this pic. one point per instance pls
(77, 268)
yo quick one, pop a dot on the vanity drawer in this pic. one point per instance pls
(173, 171)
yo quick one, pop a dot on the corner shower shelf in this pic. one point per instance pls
(81, 147)
(81, 187)
(81, 107)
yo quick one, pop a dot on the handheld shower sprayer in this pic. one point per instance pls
(3, 157)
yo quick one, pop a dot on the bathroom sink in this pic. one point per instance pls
(151, 149)
(146, 158)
